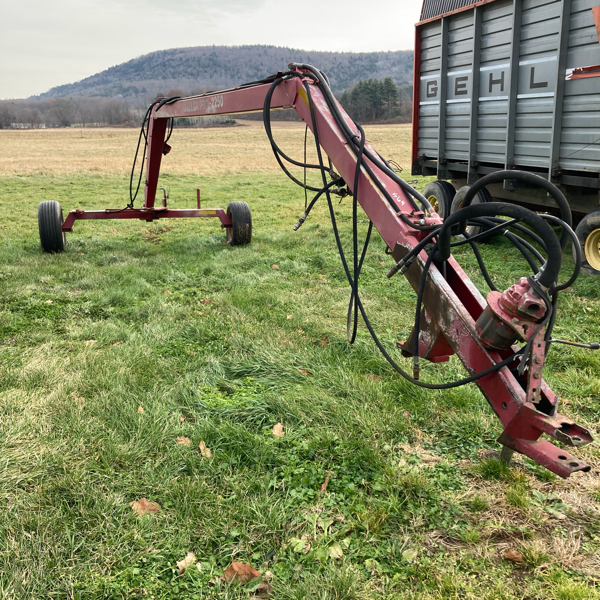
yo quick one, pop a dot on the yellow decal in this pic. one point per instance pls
(208, 212)
(302, 94)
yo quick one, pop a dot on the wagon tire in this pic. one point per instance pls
(50, 220)
(240, 232)
(588, 234)
(481, 197)
(440, 195)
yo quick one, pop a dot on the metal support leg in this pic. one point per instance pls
(506, 454)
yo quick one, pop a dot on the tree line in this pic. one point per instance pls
(372, 100)
(65, 112)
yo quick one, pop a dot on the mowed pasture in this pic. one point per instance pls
(121, 355)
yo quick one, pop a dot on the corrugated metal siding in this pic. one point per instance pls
(532, 86)
(435, 8)
(580, 136)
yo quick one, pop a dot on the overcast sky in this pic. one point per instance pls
(44, 43)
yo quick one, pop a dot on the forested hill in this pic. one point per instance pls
(218, 67)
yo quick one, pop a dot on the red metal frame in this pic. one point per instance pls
(452, 303)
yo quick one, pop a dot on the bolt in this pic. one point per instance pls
(515, 320)
(537, 360)
(536, 375)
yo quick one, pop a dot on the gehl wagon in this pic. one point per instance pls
(511, 84)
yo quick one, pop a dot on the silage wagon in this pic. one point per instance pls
(511, 84)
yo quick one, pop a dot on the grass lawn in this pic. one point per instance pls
(118, 357)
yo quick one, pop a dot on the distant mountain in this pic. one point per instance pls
(219, 67)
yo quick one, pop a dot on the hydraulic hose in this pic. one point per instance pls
(533, 179)
(549, 273)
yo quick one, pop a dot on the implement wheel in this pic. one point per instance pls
(588, 233)
(240, 233)
(482, 196)
(440, 195)
(50, 220)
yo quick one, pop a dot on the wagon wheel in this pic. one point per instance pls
(240, 232)
(482, 196)
(588, 233)
(50, 220)
(440, 195)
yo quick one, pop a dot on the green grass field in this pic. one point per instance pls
(216, 345)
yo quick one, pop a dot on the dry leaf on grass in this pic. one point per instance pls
(374, 377)
(188, 561)
(240, 572)
(513, 556)
(205, 301)
(263, 590)
(204, 450)
(90, 342)
(143, 507)
(304, 371)
(181, 419)
(406, 414)
(325, 484)
(167, 292)
(117, 343)
(275, 267)
(289, 317)
(48, 301)
(278, 430)
(184, 441)
(140, 409)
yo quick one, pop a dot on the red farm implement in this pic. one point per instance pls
(502, 341)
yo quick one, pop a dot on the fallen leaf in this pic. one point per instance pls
(555, 513)
(290, 317)
(48, 301)
(300, 331)
(117, 343)
(205, 301)
(275, 267)
(268, 575)
(513, 556)
(406, 414)
(374, 377)
(410, 554)
(90, 342)
(140, 409)
(565, 400)
(278, 430)
(304, 371)
(79, 399)
(167, 292)
(335, 551)
(143, 507)
(184, 441)
(204, 450)
(240, 572)
(325, 484)
(181, 419)
(382, 262)
(324, 341)
(189, 560)
(263, 590)
(114, 231)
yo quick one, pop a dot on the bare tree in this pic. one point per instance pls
(63, 110)
(7, 115)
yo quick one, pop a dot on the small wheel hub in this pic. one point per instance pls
(592, 249)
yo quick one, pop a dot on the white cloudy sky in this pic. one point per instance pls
(44, 43)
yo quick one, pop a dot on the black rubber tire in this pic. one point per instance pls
(588, 234)
(240, 233)
(50, 220)
(440, 195)
(481, 197)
